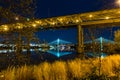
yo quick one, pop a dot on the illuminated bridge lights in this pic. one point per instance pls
(100, 40)
(105, 17)
(58, 53)
(60, 19)
(59, 41)
(19, 26)
(53, 23)
(38, 22)
(77, 21)
(4, 28)
(90, 16)
(34, 25)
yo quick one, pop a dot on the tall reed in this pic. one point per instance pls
(95, 68)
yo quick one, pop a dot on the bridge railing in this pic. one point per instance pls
(85, 19)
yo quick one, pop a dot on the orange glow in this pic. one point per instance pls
(34, 25)
(90, 16)
(118, 2)
(5, 28)
(107, 17)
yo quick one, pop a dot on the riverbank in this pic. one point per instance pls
(95, 68)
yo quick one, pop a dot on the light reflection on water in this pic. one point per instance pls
(97, 54)
(57, 48)
(58, 53)
(41, 56)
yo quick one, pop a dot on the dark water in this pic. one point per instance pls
(51, 57)
(35, 57)
(10, 58)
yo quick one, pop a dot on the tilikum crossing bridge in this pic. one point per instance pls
(104, 18)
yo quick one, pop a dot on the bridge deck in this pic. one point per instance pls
(99, 18)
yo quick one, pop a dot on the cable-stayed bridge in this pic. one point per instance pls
(60, 47)
(99, 40)
(59, 41)
(60, 44)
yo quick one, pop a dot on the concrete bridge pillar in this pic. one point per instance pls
(80, 47)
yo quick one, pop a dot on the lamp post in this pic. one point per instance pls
(117, 3)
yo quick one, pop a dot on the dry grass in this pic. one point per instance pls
(58, 71)
(77, 69)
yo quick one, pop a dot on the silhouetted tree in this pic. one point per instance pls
(12, 11)
(117, 40)
(16, 10)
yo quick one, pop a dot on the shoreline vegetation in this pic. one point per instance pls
(107, 68)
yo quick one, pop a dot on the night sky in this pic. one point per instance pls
(52, 8)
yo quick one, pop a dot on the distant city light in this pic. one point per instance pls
(28, 19)
(16, 18)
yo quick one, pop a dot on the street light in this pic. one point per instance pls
(5, 28)
(118, 3)
(16, 18)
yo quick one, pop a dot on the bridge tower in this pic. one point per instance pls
(80, 47)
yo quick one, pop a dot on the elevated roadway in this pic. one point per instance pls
(103, 18)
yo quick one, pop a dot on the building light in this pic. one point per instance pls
(16, 18)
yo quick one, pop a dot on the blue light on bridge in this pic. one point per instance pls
(100, 40)
(101, 46)
(58, 47)
(58, 53)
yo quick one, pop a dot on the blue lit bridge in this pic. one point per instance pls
(59, 41)
(60, 47)
(99, 40)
